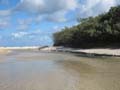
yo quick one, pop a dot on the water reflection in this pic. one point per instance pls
(55, 71)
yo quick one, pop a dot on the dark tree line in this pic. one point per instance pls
(99, 31)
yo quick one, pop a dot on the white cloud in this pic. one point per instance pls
(22, 27)
(57, 17)
(51, 10)
(46, 6)
(4, 22)
(24, 21)
(23, 24)
(54, 10)
(36, 36)
(93, 8)
(27, 34)
(8, 9)
(57, 28)
(5, 12)
(19, 34)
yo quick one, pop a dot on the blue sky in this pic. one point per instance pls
(32, 22)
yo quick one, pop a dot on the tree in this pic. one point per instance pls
(96, 31)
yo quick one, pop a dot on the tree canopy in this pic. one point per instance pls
(100, 31)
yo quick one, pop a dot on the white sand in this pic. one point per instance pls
(101, 51)
(106, 51)
(49, 49)
(5, 50)
(14, 48)
(116, 52)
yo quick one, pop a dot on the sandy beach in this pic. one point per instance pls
(35, 70)
(59, 44)
(101, 52)
(4, 51)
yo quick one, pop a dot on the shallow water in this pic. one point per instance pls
(33, 70)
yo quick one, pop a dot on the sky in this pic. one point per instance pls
(32, 22)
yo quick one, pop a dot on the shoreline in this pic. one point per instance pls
(19, 48)
(86, 52)
(33, 70)
(6, 50)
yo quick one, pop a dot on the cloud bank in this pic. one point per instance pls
(93, 8)
(56, 10)
(46, 6)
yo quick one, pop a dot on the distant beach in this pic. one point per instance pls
(94, 51)
(5, 50)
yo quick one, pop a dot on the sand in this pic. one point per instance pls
(35, 70)
(114, 52)
(4, 51)
(104, 51)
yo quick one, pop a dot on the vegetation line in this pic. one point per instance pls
(92, 32)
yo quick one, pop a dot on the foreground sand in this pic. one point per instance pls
(34, 70)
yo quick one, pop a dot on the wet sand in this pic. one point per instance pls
(34, 70)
